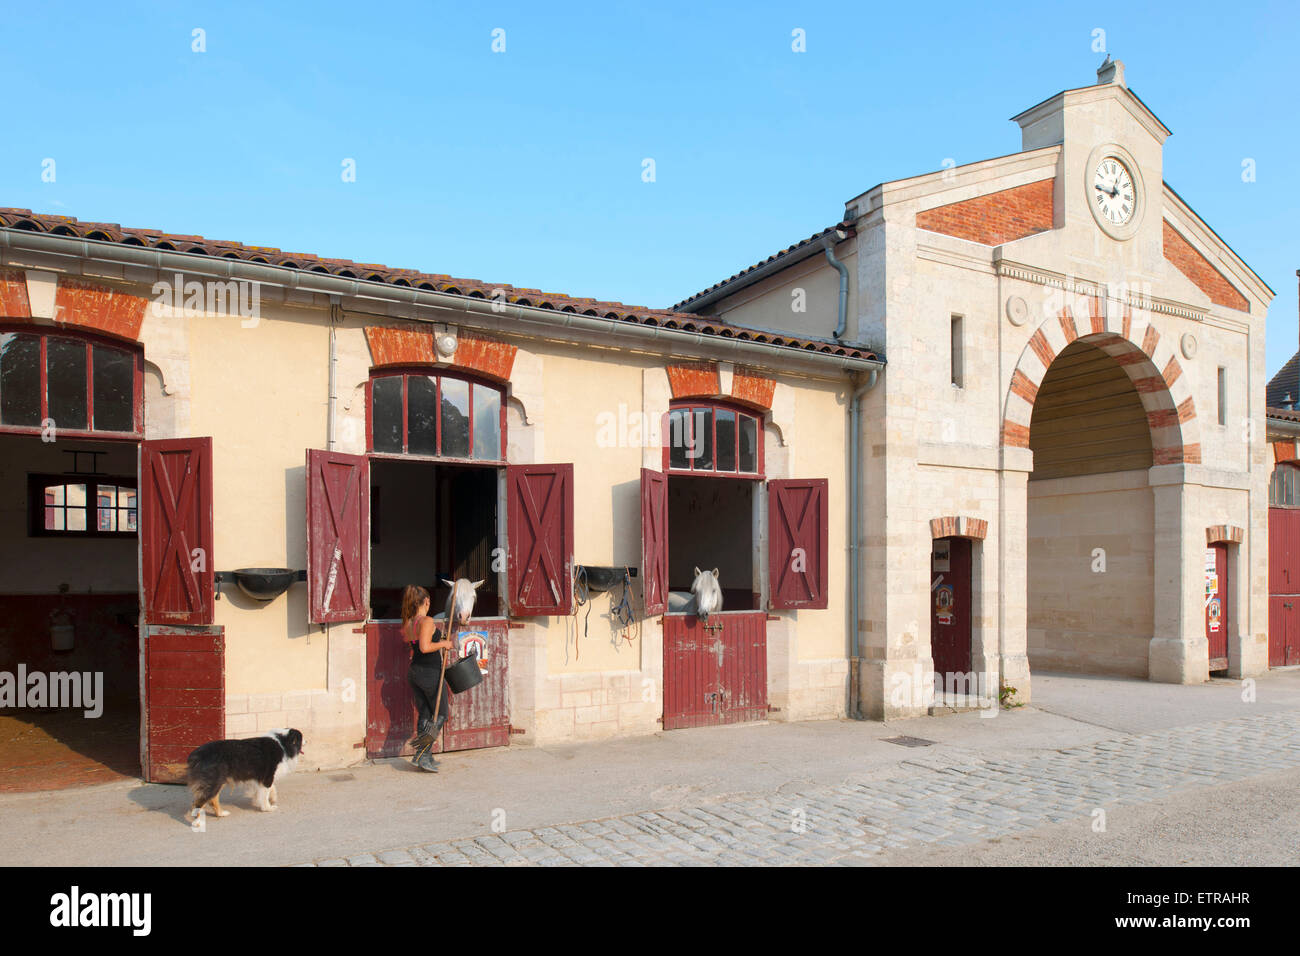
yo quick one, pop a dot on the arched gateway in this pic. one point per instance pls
(1101, 400)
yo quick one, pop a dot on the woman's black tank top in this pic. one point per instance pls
(419, 658)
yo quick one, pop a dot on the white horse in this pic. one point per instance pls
(460, 602)
(704, 598)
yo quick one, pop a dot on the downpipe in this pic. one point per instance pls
(855, 492)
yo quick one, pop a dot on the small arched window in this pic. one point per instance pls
(709, 438)
(77, 385)
(435, 415)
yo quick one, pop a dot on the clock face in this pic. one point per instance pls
(1113, 191)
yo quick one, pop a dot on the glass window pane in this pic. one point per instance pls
(726, 440)
(113, 371)
(54, 495)
(76, 496)
(421, 411)
(678, 438)
(455, 418)
(487, 422)
(106, 508)
(386, 413)
(701, 451)
(20, 379)
(76, 519)
(53, 519)
(128, 520)
(748, 444)
(65, 370)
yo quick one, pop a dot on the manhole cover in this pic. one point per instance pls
(909, 741)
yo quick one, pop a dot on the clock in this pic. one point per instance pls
(1115, 194)
(1113, 191)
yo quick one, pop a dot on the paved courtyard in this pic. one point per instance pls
(928, 801)
(1115, 770)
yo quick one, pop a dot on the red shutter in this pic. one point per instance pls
(798, 535)
(654, 541)
(539, 525)
(176, 530)
(338, 536)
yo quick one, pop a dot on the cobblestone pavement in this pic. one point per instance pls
(931, 802)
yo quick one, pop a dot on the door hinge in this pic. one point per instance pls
(517, 730)
(359, 746)
(773, 710)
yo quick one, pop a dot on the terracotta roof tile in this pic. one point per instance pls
(438, 282)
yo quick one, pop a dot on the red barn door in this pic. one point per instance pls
(338, 536)
(539, 532)
(176, 530)
(480, 717)
(184, 658)
(1283, 586)
(1216, 605)
(185, 686)
(654, 541)
(950, 604)
(714, 673)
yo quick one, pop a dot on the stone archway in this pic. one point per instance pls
(1170, 645)
(1148, 360)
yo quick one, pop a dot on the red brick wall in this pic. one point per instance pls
(88, 305)
(1197, 268)
(13, 295)
(996, 217)
(474, 353)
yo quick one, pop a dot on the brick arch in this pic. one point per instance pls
(959, 526)
(1147, 358)
(33, 295)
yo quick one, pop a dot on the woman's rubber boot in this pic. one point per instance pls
(424, 760)
(423, 737)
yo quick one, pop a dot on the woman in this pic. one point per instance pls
(425, 673)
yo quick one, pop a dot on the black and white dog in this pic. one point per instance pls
(260, 761)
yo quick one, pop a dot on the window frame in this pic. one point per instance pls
(36, 485)
(438, 373)
(1284, 468)
(690, 404)
(89, 340)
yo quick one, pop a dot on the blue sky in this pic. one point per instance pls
(525, 166)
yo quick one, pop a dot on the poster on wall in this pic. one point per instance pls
(943, 604)
(1212, 614)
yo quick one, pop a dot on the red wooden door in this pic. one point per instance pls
(654, 541)
(1217, 607)
(539, 530)
(185, 697)
(1283, 586)
(714, 673)
(480, 717)
(338, 536)
(176, 561)
(950, 606)
(798, 548)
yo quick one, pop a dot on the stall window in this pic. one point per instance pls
(79, 507)
(77, 385)
(436, 416)
(713, 439)
(1284, 488)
